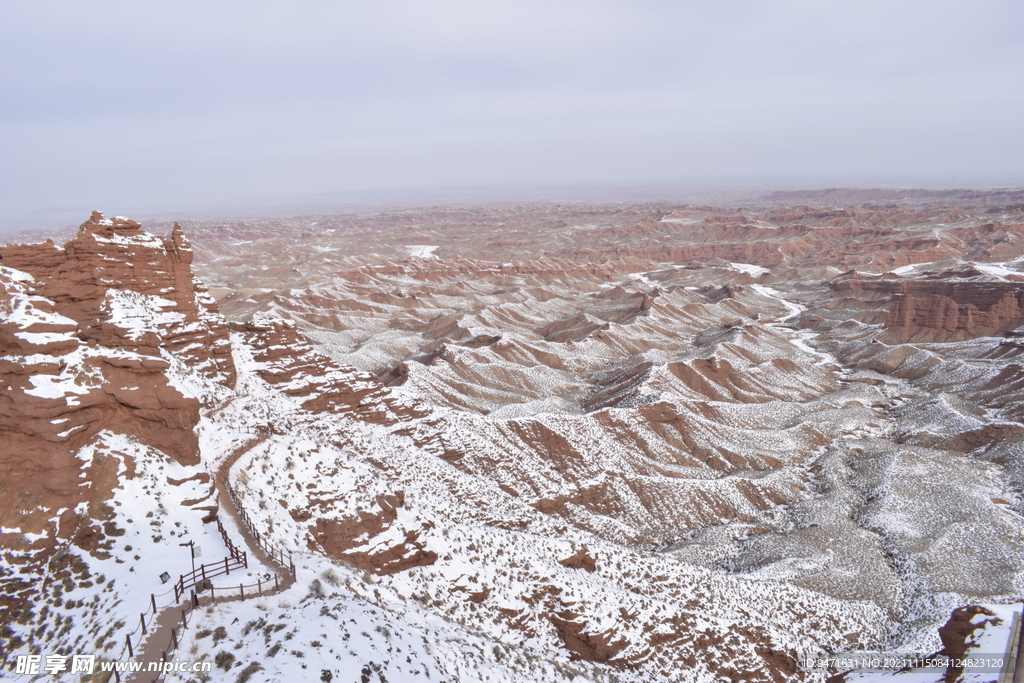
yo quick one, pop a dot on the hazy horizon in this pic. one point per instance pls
(197, 109)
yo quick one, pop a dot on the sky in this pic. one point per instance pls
(135, 108)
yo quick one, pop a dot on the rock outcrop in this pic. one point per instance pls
(378, 542)
(943, 306)
(89, 336)
(288, 361)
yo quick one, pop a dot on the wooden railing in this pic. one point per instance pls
(146, 624)
(276, 554)
(233, 551)
(194, 583)
(198, 576)
(241, 591)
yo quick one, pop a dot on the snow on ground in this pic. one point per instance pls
(136, 547)
(750, 269)
(140, 313)
(999, 270)
(641, 277)
(421, 612)
(24, 309)
(912, 268)
(339, 624)
(802, 336)
(427, 623)
(422, 250)
(794, 309)
(986, 653)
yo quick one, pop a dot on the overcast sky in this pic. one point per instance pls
(139, 106)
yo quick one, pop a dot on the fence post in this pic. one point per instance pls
(275, 581)
(241, 591)
(227, 569)
(259, 586)
(195, 599)
(131, 653)
(245, 559)
(184, 618)
(152, 599)
(142, 618)
(203, 567)
(174, 637)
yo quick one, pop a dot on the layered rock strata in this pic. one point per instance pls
(94, 338)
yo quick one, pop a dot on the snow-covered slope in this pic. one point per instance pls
(600, 459)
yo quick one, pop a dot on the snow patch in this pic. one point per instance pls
(422, 250)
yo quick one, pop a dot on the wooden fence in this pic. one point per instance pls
(198, 577)
(195, 583)
(276, 554)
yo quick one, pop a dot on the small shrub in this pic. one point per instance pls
(254, 624)
(246, 673)
(219, 634)
(224, 660)
(316, 589)
(274, 628)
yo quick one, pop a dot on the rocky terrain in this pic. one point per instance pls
(525, 443)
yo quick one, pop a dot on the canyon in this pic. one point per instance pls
(520, 443)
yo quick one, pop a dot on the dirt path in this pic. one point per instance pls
(169, 618)
(228, 507)
(158, 639)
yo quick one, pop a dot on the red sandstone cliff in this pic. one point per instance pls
(944, 307)
(88, 336)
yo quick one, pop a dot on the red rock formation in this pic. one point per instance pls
(115, 254)
(945, 307)
(581, 560)
(591, 647)
(288, 361)
(38, 260)
(353, 539)
(84, 347)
